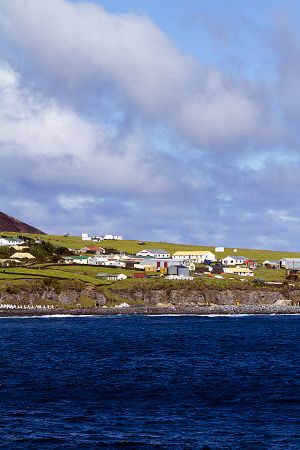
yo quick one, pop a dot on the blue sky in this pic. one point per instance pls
(163, 120)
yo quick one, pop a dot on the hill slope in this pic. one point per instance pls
(8, 223)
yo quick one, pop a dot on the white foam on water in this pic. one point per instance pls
(112, 316)
(47, 316)
(233, 316)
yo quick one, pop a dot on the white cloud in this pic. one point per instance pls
(64, 158)
(129, 58)
(37, 126)
(71, 202)
(62, 149)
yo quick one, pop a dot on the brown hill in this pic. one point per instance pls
(8, 223)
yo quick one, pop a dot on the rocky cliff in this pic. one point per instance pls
(193, 297)
(64, 295)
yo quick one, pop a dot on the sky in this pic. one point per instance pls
(159, 120)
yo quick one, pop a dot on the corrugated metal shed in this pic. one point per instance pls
(290, 263)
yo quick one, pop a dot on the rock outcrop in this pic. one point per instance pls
(8, 223)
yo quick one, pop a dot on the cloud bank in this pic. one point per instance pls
(105, 126)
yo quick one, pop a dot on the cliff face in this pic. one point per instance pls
(186, 297)
(179, 298)
(8, 223)
(59, 297)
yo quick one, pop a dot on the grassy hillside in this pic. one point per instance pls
(87, 274)
(132, 246)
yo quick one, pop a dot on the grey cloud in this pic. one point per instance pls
(286, 46)
(66, 170)
(79, 45)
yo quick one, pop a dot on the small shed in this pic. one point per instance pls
(139, 275)
(271, 264)
(112, 276)
(179, 270)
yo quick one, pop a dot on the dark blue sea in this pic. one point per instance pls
(150, 383)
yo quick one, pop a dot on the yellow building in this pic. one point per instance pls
(149, 268)
(19, 255)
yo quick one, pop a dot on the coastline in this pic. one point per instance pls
(224, 310)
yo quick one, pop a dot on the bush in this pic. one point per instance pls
(12, 289)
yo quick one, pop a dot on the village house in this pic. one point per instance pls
(96, 260)
(159, 263)
(114, 263)
(10, 262)
(10, 241)
(85, 237)
(19, 248)
(108, 237)
(242, 271)
(271, 264)
(75, 259)
(289, 263)
(19, 255)
(154, 253)
(112, 276)
(219, 249)
(251, 264)
(197, 256)
(234, 260)
(93, 249)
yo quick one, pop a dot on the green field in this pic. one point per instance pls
(87, 274)
(132, 247)
(54, 272)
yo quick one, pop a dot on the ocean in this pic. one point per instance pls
(141, 382)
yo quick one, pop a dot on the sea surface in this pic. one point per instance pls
(131, 382)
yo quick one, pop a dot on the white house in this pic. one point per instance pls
(290, 263)
(234, 260)
(86, 237)
(114, 263)
(4, 240)
(108, 237)
(198, 256)
(154, 253)
(271, 264)
(219, 249)
(93, 249)
(75, 259)
(96, 260)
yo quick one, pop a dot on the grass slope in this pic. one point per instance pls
(132, 246)
(87, 274)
